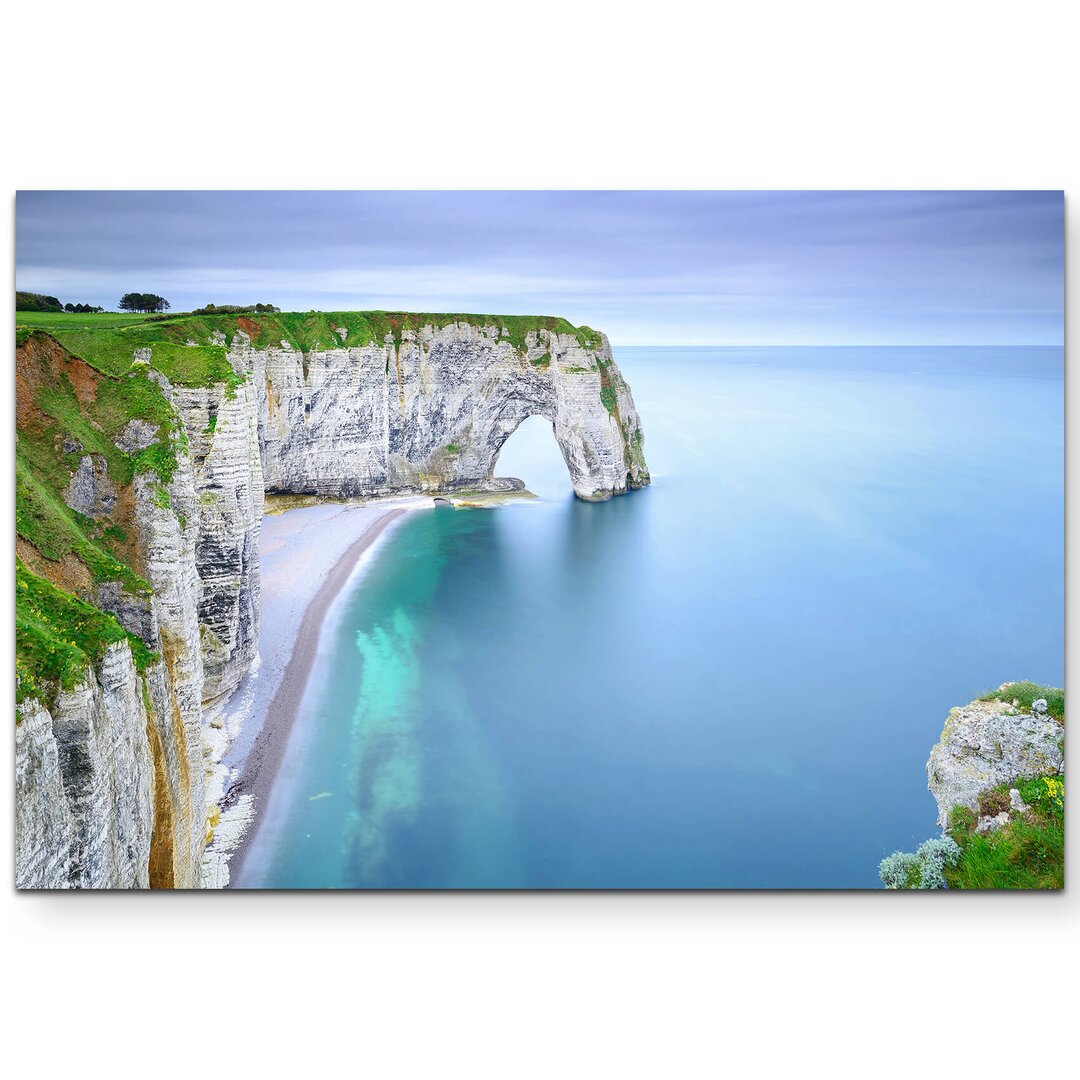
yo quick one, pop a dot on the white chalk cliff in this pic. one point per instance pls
(432, 413)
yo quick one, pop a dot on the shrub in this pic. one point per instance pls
(934, 856)
(1045, 793)
(900, 870)
(236, 309)
(923, 870)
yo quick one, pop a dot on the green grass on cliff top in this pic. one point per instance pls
(1026, 693)
(108, 341)
(72, 321)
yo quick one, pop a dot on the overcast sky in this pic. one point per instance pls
(647, 267)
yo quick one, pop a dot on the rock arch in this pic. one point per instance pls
(431, 412)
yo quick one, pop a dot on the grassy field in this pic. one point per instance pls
(66, 320)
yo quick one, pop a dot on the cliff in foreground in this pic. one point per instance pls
(997, 775)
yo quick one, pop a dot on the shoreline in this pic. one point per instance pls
(259, 752)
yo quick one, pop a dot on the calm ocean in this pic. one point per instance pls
(730, 679)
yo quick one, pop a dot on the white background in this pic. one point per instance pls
(579, 94)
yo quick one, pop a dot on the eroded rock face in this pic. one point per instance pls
(222, 429)
(136, 435)
(91, 492)
(988, 743)
(112, 774)
(84, 808)
(433, 414)
(44, 825)
(136, 614)
(175, 685)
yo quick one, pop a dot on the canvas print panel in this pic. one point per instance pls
(740, 567)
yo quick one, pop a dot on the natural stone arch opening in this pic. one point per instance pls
(531, 453)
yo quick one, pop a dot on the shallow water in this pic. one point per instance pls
(730, 679)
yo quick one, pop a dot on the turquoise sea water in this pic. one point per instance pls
(730, 679)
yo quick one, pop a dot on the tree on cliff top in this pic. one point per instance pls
(143, 302)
